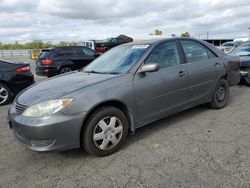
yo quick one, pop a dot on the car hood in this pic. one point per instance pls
(60, 86)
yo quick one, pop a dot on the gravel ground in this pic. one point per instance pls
(196, 148)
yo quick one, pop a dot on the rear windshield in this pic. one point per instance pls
(44, 54)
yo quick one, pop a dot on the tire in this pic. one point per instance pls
(221, 95)
(105, 131)
(65, 69)
(5, 94)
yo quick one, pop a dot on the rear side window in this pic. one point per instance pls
(194, 51)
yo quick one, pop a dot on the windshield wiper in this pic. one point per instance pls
(114, 73)
(96, 72)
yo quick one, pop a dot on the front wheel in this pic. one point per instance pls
(221, 95)
(105, 131)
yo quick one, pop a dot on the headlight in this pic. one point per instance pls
(47, 108)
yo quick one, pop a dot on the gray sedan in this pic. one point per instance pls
(125, 88)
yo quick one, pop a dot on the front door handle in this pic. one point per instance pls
(217, 64)
(181, 74)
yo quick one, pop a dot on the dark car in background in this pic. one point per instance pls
(59, 60)
(102, 46)
(243, 51)
(14, 77)
(126, 88)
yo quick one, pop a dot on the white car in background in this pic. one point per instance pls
(89, 44)
(229, 46)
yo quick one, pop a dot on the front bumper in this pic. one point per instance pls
(55, 133)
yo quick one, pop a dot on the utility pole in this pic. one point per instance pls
(249, 33)
(207, 35)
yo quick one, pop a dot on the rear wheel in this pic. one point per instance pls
(5, 94)
(64, 69)
(221, 95)
(105, 131)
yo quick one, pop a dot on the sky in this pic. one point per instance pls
(76, 20)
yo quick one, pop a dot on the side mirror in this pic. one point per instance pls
(148, 68)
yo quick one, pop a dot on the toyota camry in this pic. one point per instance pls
(124, 89)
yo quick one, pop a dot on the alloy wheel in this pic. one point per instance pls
(220, 93)
(108, 133)
(3, 95)
(65, 69)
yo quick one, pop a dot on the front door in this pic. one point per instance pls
(162, 92)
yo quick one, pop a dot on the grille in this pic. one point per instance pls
(20, 108)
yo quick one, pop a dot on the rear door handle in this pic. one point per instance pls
(181, 74)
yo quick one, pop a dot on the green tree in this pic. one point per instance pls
(186, 34)
(157, 32)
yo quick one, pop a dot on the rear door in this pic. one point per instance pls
(165, 91)
(204, 69)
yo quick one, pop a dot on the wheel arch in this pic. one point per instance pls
(10, 86)
(71, 65)
(115, 103)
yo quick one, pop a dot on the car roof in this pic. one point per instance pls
(62, 47)
(154, 41)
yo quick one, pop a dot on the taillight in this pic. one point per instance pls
(47, 62)
(23, 69)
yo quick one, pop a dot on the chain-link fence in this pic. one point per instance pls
(13, 53)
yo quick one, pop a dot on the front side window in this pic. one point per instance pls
(194, 51)
(165, 55)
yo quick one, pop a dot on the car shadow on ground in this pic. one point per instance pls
(160, 125)
(143, 132)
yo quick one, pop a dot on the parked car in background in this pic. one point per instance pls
(229, 46)
(88, 43)
(104, 45)
(243, 51)
(126, 88)
(59, 60)
(14, 77)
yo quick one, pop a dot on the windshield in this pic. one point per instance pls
(242, 50)
(117, 60)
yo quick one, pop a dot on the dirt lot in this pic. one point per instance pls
(196, 148)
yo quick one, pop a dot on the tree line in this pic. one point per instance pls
(37, 44)
(159, 32)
